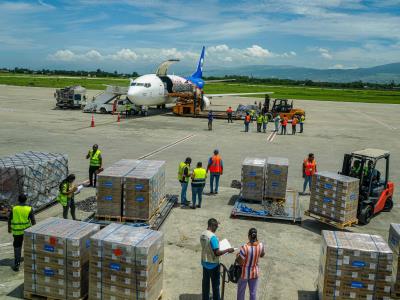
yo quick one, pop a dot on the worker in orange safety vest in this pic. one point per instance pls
(247, 120)
(215, 167)
(309, 169)
(229, 112)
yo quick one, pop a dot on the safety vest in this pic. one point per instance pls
(284, 121)
(127, 106)
(200, 176)
(294, 121)
(247, 118)
(20, 219)
(252, 112)
(302, 119)
(229, 110)
(309, 167)
(62, 197)
(181, 170)
(94, 158)
(265, 119)
(207, 253)
(355, 171)
(215, 166)
(259, 119)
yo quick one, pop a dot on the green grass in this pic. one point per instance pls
(291, 92)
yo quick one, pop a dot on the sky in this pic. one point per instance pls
(131, 35)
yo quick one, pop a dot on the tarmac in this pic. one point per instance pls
(290, 268)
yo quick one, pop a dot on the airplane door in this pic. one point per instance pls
(161, 89)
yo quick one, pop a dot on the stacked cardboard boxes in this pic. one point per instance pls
(126, 263)
(276, 178)
(253, 178)
(144, 189)
(56, 253)
(354, 266)
(36, 174)
(334, 196)
(394, 243)
(110, 187)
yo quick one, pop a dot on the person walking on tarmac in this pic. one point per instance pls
(247, 120)
(229, 113)
(66, 196)
(183, 177)
(210, 119)
(21, 217)
(284, 122)
(277, 120)
(294, 124)
(210, 254)
(309, 169)
(96, 161)
(302, 120)
(259, 120)
(199, 176)
(216, 168)
(265, 122)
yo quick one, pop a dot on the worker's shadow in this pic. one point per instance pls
(190, 297)
(7, 262)
(307, 295)
(18, 292)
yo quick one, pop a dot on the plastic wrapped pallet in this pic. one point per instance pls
(126, 263)
(36, 174)
(354, 266)
(334, 196)
(276, 177)
(56, 256)
(110, 187)
(394, 243)
(144, 189)
(253, 178)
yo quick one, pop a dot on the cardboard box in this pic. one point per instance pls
(36, 174)
(126, 263)
(354, 266)
(253, 178)
(394, 243)
(334, 196)
(56, 258)
(276, 177)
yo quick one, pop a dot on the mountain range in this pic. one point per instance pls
(378, 74)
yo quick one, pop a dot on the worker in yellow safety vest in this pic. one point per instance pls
(21, 217)
(66, 196)
(259, 119)
(199, 176)
(183, 177)
(96, 161)
(128, 108)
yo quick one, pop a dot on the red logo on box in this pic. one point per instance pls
(53, 240)
(117, 252)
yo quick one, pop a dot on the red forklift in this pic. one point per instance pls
(371, 166)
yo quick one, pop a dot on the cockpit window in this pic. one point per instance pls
(141, 84)
(147, 85)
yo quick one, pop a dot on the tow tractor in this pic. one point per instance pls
(371, 166)
(283, 108)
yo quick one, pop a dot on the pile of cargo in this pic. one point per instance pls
(132, 189)
(354, 266)
(126, 263)
(264, 178)
(36, 174)
(56, 254)
(394, 243)
(334, 197)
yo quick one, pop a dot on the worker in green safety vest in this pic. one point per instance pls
(199, 176)
(66, 196)
(259, 119)
(128, 108)
(21, 217)
(96, 161)
(183, 177)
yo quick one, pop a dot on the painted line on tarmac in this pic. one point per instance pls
(375, 120)
(271, 137)
(167, 146)
(5, 244)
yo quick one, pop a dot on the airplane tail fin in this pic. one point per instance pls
(199, 71)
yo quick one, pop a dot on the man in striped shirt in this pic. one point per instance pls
(248, 258)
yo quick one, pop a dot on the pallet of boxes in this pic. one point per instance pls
(334, 199)
(354, 266)
(131, 190)
(394, 243)
(56, 259)
(264, 191)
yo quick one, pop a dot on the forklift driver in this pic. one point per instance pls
(356, 169)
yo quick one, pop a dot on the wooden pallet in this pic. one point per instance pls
(108, 218)
(331, 222)
(33, 296)
(395, 295)
(274, 199)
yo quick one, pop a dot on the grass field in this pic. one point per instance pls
(291, 92)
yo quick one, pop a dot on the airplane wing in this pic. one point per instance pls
(163, 67)
(237, 94)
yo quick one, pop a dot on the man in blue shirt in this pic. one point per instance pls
(210, 119)
(210, 254)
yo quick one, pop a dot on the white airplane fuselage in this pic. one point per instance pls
(150, 89)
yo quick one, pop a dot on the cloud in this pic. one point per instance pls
(325, 53)
(257, 51)
(125, 54)
(25, 7)
(63, 55)
(158, 26)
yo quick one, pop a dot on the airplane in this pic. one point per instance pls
(158, 89)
